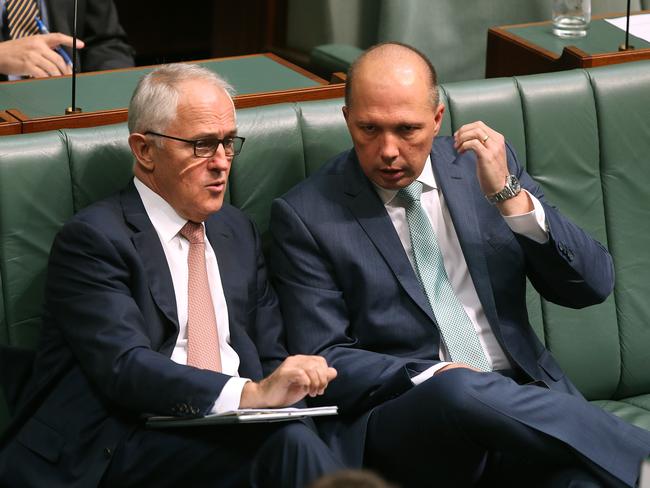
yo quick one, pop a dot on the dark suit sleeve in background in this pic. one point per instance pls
(98, 26)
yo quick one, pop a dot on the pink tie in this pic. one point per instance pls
(202, 336)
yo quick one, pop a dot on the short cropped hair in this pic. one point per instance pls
(155, 99)
(433, 76)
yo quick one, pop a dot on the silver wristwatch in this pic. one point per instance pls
(509, 191)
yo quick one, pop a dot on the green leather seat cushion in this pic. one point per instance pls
(635, 410)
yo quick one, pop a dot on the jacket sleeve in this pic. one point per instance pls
(571, 269)
(106, 42)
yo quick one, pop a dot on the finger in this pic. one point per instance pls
(57, 39)
(55, 58)
(331, 374)
(322, 380)
(451, 366)
(36, 72)
(326, 374)
(475, 145)
(302, 381)
(476, 133)
(49, 66)
(314, 381)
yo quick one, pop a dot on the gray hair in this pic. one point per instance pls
(155, 99)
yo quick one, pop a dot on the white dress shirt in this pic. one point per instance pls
(531, 225)
(168, 225)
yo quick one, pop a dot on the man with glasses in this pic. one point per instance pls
(157, 302)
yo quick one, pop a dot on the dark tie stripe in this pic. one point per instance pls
(21, 18)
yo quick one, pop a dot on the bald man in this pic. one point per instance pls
(409, 255)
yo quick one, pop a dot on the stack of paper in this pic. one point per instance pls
(241, 416)
(639, 25)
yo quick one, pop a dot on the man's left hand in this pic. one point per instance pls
(491, 164)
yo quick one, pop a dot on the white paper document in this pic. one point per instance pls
(639, 25)
(243, 416)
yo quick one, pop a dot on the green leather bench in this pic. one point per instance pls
(585, 136)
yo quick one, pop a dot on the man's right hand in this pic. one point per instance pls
(35, 56)
(297, 377)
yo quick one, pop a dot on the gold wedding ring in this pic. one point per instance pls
(484, 140)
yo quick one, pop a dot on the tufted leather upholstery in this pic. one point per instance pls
(585, 136)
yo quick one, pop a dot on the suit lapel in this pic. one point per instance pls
(455, 175)
(369, 211)
(147, 243)
(224, 246)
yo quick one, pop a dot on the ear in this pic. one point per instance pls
(142, 150)
(345, 112)
(437, 118)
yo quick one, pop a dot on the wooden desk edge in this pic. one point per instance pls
(274, 57)
(105, 117)
(500, 39)
(9, 124)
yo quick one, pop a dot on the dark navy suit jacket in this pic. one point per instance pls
(110, 326)
(349, 293)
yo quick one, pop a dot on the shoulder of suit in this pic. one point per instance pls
(228, 213)
(324, 179)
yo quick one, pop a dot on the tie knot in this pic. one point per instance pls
(193, 232)
(412, 192)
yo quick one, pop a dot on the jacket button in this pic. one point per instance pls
(108, 452)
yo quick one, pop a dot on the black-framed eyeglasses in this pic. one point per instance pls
(206, 148)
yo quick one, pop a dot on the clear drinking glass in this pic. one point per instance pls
(571, 17)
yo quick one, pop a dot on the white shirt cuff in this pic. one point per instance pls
(428, 373)
(230, 395)
(531, 224)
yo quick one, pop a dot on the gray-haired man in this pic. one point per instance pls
(150, 294)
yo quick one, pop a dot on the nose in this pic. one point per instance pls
(219, 161)
(389, 149)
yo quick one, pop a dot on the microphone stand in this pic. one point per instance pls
(74, 109)
(626, 46)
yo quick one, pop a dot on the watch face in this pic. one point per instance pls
(514, 185)
(511, 190)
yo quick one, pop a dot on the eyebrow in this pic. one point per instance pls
(212, 135)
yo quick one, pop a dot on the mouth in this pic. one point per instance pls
(392, 174)
(217, 186)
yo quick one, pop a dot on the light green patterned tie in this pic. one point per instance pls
(455, 327)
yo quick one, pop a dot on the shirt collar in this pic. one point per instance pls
(162, 215)
(427, 179)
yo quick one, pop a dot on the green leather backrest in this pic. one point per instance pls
(100, 162)
(324, 133)
(622, 100)
(271, 160)
(563, 155)
(35, 200)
